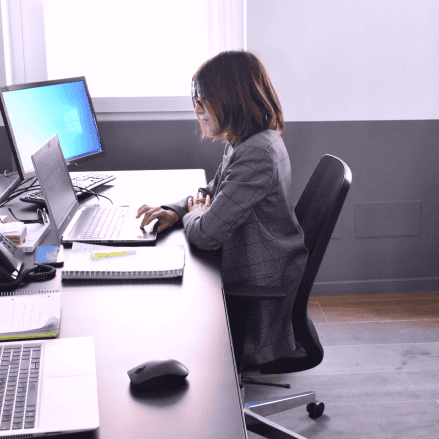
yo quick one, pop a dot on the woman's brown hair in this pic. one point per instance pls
(235, 86)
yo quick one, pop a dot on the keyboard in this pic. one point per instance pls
(19, 375)
(86, 181)
(106, 223)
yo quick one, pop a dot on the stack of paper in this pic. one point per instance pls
(29, 314)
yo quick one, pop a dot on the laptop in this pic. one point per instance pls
(91, 224)
(48, 387)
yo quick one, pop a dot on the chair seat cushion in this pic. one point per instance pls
(281, 363)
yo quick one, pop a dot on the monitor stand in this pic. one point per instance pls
(7, 185)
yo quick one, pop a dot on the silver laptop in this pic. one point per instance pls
(50, 387)
(94, 224)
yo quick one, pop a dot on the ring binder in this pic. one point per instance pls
(26, 293)
(146, 263)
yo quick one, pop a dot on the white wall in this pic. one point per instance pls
(349, 59)
(2, 58)
(346, 59)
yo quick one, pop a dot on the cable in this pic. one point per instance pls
(27, 181)
(19, 191)
(80, 189)
(10, 197)
(37, 273)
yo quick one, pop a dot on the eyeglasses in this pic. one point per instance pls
(197, 100)
(41, 217)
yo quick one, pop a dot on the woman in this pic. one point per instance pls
(247, 209)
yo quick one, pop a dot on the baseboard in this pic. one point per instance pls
(376, 286)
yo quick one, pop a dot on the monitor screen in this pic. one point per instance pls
(33, 113)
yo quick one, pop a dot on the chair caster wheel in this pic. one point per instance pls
(315, 409)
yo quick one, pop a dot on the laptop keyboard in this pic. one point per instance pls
(87, 181)
(106, 223)
(19, 374)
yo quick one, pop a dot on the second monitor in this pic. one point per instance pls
(34, 112)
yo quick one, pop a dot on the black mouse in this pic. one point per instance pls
(158, 373)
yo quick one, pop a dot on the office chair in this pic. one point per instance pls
(317, 212)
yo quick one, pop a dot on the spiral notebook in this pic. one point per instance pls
(29, 314)
(123, 262)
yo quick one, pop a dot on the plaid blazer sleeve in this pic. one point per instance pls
(248, 180)
(181, 206)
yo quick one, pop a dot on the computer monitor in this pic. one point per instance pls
(34, 112)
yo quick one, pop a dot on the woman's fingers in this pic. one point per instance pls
(199, 198)
(197, 204)
(148, 217)
(142, 209)
(147, 220)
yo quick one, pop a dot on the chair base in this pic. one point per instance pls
(256, 422)
(250, 380)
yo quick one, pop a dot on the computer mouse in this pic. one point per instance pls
(158, 373)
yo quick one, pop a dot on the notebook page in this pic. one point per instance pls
(24, 312)
(143, 258)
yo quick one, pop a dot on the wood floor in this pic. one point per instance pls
(380, 374)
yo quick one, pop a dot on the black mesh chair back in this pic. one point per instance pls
(317, 211)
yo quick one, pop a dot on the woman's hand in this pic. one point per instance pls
(199, 204)
(167, 218)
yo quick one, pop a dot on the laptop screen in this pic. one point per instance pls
(34, 112)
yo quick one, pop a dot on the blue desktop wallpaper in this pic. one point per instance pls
(36, 114)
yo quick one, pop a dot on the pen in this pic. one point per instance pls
(99, 255)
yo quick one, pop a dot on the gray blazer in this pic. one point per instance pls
(252, 220)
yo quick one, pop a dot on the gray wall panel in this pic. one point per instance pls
(391, 162)
(394, 218)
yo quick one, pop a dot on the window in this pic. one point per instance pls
(130, 50)
(137, 56)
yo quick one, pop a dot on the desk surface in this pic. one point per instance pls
(134, 322)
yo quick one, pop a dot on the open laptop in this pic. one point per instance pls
(50, 387)
(93, 224)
